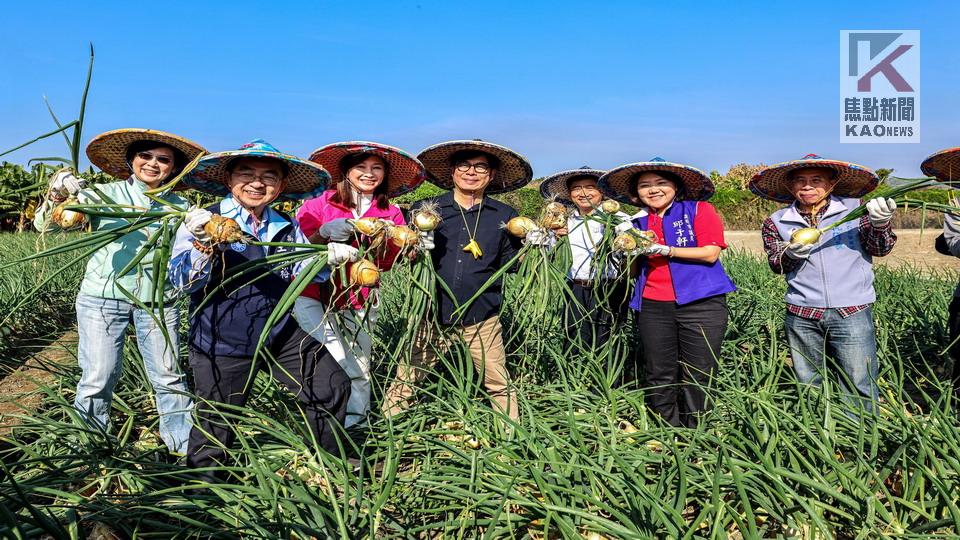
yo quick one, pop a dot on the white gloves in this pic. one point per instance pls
(337, 230)
(798, 251)
(623, 227)
(538, 237)
(655, 249)
(65, 184)
(338, 254)
(195, 220)
(880, 211)
(426, 241)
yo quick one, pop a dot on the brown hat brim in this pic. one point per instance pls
(514, 171)
(405, 171)
(108, 151)
(852, 180)
(697, 185)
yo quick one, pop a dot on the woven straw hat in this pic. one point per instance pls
(305, 179)
(555, 185)
(943, 165)
(852, 180)
(697, 186)
(108, 151)
(405, 171)
(514, 172)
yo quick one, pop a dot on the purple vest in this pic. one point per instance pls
(692, 280)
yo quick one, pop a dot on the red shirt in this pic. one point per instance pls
(708, 229)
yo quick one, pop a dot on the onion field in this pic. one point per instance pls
(587, 459)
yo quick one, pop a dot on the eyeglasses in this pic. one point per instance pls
(267, 179)
(149, 156)
(481, 168)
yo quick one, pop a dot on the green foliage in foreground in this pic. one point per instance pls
(36, 298)
(772, 459)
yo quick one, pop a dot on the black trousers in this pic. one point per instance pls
(300, 363)
(679, 348)
(600, 308)
(954, 327)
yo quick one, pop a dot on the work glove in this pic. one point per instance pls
(623, 227)
(338, 254)
(426, 241)
(337, 230)
(539, 238)
(655, 249)
(194, 221)
(798, 251)
(65, 184)
(880, 211)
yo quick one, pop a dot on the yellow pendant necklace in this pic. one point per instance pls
(472, 247)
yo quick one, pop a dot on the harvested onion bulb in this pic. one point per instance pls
(369, 226)
(68, 219)
(223, 230)
(364, 273)
(520, 226)
(554, 216)
(610, 206)
(806, 236)
(427, 217)
(403, 237)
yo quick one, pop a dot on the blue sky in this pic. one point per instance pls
(564, 83)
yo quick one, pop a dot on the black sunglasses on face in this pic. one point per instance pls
(148, 156)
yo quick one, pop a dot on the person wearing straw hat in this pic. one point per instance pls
(366, 176)
(681, 289)
(599, 296)
(945, 167)
(228, 321)
(829, 282)
(108, 302)
(471, 246)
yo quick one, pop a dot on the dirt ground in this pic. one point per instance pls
(19, 393)
(912, 249)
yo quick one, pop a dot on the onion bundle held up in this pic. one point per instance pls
(633, 239)
(420, 295)
(811, 235)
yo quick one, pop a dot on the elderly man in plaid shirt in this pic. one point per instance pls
(830, 282)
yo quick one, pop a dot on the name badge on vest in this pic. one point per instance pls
(239, 247)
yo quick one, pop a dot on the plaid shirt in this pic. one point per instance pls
(876, 241)
(816, 313)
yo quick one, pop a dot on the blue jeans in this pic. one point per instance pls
(102, 325)
(851, 342)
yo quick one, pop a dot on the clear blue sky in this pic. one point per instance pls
(564, 83)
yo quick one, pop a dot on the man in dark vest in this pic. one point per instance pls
(228, 322)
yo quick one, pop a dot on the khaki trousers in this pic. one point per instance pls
(485, 342)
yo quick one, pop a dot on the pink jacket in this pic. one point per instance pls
(312, 215)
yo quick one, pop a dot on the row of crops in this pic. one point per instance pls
(36, 298)
(587, 460)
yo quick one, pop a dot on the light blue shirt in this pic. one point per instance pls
(190, 268)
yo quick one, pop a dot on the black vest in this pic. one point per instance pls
(230, 322)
